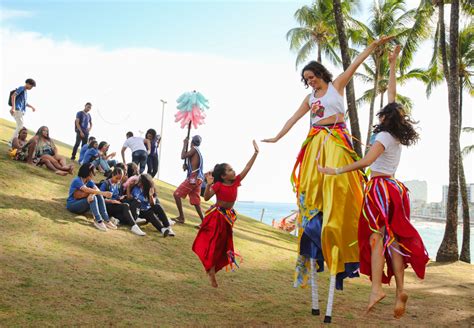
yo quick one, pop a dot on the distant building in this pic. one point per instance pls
(470, 194)
(418, 190)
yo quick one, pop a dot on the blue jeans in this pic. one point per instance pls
(139, 157)
(97, 207)
(105, 165)
(152, 164)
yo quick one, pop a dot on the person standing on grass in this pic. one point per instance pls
(18, 101)
(192, 185)
(82, 126)
(140, 148)
(152, 162)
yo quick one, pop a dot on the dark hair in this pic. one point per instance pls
(40, 130)
(218, 172)
(398, 124)
(30, 82)
(152, 132)
(86, 170)
(147, 183)
(102, 144)
(92, 143)
(131, 169)
(90, 139)
(129, 134)
(318, 70)
(120, 165)
(117, 171)
(88, 103)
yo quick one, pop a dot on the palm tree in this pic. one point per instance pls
(346, 61)
(388, 17)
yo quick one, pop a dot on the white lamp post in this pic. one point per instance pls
(161, 135)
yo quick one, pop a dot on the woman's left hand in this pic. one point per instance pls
(384, 39)
(255, 146)
(327, 170)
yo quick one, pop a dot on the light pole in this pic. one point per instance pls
(161, 135)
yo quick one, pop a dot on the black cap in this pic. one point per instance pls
(30, 82)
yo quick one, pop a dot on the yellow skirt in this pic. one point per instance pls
(335, 200)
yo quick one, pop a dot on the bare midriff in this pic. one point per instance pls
(337, 118)
(374, 174)
(226, 205)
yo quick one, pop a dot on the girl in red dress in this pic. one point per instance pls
(385, 231)
(214, 244)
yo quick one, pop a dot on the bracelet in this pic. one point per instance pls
(338, 170)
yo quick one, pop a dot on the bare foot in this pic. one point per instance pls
(61, 173)
(71, 169)
(400, 305)
(212, 278)
(374, 298)
(179, 220)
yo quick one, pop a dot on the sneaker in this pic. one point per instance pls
(140, 221)
(115, 221)
(172, 223)
(171, 232)
(136, 230)
(110, 225)
(100, 225)
(165, 232)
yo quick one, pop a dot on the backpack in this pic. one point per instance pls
(107, 184)
(10, 98)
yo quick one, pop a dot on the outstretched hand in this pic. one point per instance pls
(327, 170)
(270, 140)
(209, 178)
(392, 56)
(384, 39)
(255, 146)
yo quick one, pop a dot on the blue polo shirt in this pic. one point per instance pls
(113, 188)
(20, 100)
(90, 155)
(137, 193)
(76, 184)
(83, 152)
(84, 121)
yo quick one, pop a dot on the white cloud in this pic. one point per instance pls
(248, 99)
(8, 14)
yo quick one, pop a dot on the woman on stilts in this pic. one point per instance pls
(329, 207)
(385, 231)
(214, 243)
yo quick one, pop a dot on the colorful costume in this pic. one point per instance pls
(192, 185)
(386, 210)
(329, 206)
(214, 243)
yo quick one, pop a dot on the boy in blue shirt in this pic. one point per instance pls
(82, 126)
(19, 104)
(92, 153)
(84, 149)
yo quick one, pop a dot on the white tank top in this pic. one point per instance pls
(388, 161)
(330, 104)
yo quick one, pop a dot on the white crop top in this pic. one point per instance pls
(330, 104)
(387, 163)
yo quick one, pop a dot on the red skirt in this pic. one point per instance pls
(386, 204)
(214, 244)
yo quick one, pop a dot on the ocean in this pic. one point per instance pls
(431, 232)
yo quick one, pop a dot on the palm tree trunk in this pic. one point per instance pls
(372, 105)
(466, 220)
(381, 100)
(319, 53)
(448, 250)
(346, 61)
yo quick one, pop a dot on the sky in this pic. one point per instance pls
(125, 56)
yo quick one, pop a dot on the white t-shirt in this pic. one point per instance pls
(387, 163)
(135, 143)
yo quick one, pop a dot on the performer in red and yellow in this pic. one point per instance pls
(214, 243)
(329, 207)
(385, 230)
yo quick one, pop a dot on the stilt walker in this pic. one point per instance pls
(329, 207)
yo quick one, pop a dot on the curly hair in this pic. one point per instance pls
(398, 124)
(318, 70)
(219, 171)
(147, 183)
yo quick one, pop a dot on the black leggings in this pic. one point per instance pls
(121, 212)
(156, 216)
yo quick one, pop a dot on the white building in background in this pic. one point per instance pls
(418, 190)
(470, 194)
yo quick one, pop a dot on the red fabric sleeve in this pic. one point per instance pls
(216, 186)
(237, 181)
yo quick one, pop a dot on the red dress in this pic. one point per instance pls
(386, 204)
(214, 244)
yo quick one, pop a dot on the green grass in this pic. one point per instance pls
(57, 270)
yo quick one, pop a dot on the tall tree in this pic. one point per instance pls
(448, 251)
(346, 61)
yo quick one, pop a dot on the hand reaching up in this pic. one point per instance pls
(392, 56)
(255, 146)
(209, 178)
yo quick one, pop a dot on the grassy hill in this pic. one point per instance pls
(57, 270)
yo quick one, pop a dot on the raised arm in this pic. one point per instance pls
(187, 154)
(392, 80)
(303, 109)
(250, 163)
(342, 80)
(208, 192)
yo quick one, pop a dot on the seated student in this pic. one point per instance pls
(84, 149)
(84, 196)
(104, 160)
(17, 145)
(42, 150)
(115, 205)
(92, 153)
(132, 179)
(150, 208)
